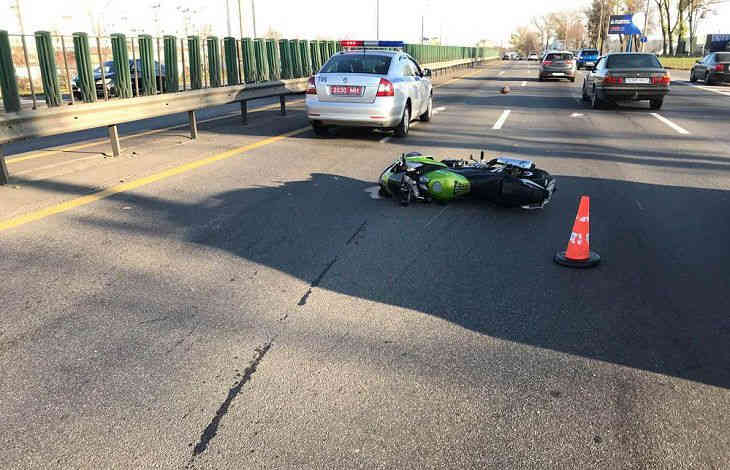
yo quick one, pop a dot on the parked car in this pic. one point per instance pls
(712, 68)
(626, 76)
(557, 64)
(383, 89)
(110, 79)
(586, 58)
(533, 56)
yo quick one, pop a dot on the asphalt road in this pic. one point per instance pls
(260, 309)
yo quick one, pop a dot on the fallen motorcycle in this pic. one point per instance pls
(505, 181)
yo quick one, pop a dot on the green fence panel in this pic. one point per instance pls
(47, 63)
(306, 57)
(231, 54)
(324, 51)
(249, 60)
(262, 62)
(172, 74)
(274, 58)
(84, 68)
(296, 58)
(196, 75)
(147, 79)
(122, 77)
(287, 62)
(8, 82)
(214, 61)
(332, 47)
(316, 56)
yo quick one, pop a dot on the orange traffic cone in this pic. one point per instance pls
(578, 254)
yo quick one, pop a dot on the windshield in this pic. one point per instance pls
(355, 63)
(632, 61)
(723, 57)
(108, 68)
(590, 52)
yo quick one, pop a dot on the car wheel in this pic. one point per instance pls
(656, 104)
(596, 102)
(692, 77)
(572, 79)
(708, 79)
(426, 116)
(319, 130)
(541, 78)
(405, 122)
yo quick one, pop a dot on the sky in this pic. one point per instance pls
(457, 22)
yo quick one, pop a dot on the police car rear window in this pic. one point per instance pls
(723, 57)
(358, 63)
(633, 61)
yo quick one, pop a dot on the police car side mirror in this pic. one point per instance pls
(426, 72)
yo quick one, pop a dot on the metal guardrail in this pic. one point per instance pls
(29, 123)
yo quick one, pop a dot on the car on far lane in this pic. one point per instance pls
(626, 76)
(557, 64)
(533, 56)
(586, 58)
(712, 68)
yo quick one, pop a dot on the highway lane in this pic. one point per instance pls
(264, 311)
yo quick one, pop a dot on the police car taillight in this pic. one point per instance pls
(385, 88)
(311, 87)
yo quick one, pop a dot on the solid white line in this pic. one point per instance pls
(523, 83)
(385, 139)
(498, 125)
(501, 73)
(440, 108)
(670, 123)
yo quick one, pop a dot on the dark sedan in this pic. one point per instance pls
(626, 76)
(712, 68)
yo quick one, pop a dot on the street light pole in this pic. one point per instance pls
(240, 17)
(600, 28)
(422, 30)
(228, 16)
(253, 15)
(377, 20)
(646, 25)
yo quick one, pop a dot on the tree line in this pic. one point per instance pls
(677, 20)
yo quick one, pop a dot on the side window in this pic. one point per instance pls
(406, 68)
(599, 64)
(711, 59)
(707, 59)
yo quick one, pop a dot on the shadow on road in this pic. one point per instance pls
(657, 302)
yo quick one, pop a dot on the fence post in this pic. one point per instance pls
(27, 67)
(87, 85)
(249, 60)
(287, 70)
(122, 76)
(194, 54)
(193, 124)
(101, 67)
(3, 169)
(296, 58)
(8, 83)
(114, 139)
(171, 72)
(214, 65)
(229, 44)
(274, 59)
(47, 63)
(147, 60)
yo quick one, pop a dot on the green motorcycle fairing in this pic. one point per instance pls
(445, 185)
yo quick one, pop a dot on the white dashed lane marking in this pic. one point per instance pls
(500, 122)
(669, 123)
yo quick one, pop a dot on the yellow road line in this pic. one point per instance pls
(55, 151)
(84, 200)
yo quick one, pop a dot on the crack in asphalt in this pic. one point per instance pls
(357, 232)
(212, 429)
(316, 282)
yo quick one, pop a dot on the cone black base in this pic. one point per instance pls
(593, 260)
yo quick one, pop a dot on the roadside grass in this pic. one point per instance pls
(681, 63)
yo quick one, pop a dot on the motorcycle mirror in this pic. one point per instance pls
(482, 156)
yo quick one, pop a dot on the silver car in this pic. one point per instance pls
(369, 88)
(558, 64)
